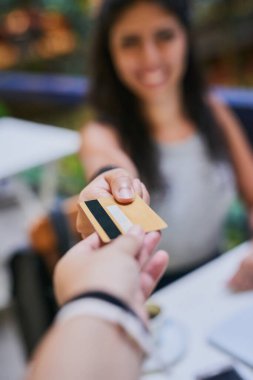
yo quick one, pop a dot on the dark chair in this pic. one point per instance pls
(32, 267)
(34, 302)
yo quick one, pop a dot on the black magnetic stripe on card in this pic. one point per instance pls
(103, 219)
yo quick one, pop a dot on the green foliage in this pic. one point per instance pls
(236, 226)
(71, 177)
(3, 109)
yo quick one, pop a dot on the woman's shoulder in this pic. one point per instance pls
(222, 111)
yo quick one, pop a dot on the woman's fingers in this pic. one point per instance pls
(145, 194)
(121, 185)
(141, 190)
(243, 278)
(241, 282)
(137, 187)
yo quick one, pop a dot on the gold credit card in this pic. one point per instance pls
(111, 219)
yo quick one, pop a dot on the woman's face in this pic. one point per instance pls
(148, 46)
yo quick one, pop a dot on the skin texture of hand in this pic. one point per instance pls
(125, 268)
(243, 278)
(117, 183)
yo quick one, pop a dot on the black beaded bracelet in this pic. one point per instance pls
(103, 170)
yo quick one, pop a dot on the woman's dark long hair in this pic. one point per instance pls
(116, 105)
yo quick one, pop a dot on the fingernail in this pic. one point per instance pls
(125, 193)
(135, 231)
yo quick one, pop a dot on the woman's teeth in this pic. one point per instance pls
(153, 78)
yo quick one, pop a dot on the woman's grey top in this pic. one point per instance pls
(198, 196)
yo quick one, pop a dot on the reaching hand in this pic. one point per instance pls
(125, 268)
(117, 183)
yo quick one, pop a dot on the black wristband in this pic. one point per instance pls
(109, 308)
(105, 297)
(103, 170)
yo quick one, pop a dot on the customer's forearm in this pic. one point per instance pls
(86, 348)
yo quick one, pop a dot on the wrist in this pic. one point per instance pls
(102, 170)
(111, 309)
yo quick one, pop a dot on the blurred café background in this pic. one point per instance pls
(44, 46)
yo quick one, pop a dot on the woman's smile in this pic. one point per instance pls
(152, 78)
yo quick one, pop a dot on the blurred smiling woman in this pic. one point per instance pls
(156, 125)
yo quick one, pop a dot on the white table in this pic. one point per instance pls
(198, 302)
(24, 145)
